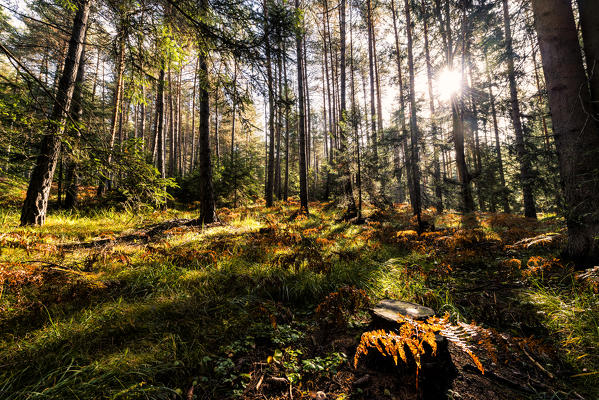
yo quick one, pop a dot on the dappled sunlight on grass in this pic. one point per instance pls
(142, 319)
(571, 313)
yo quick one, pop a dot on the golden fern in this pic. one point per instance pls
(413, 334)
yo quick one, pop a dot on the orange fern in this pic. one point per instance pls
(413, 334)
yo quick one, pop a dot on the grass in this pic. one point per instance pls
(571, 313)
(152, 320)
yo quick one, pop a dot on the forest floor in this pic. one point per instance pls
(232, 310)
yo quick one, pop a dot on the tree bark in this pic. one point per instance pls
(36, 201)
(271, 112)
(179, 133)
(504, 191)
(279, 116)
(526, 177)
(72, 176)
(402, 107)
(159, 125)
(457, 116)
(331, 88)
(301, 122)
(287, 111)
(216, 127)
(234, 109)
(207, 205)
(118, 99)
(373, 115)
(549, 151)
(343, 128)
(327, 101)
(354, 115)
(434, 128)
(141, 130)
(324, 121)
(415, 168)
(171, 126)
(308, 115)
(589, 23)
(475, 140)
(575, 131)
(192, 162)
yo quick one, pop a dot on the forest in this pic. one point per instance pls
(307, 199)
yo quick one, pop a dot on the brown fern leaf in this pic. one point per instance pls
(460, 336)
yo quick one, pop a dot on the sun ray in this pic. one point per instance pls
(449, 83)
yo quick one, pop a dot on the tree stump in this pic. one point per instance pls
(385, 315)
(387, 311)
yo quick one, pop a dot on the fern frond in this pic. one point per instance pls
(413, 334)
(460, 335)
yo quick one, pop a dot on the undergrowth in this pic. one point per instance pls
(196, 310)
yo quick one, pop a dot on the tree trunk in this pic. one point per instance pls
(279, 115)
(287, 111)
(142, 105)
(60, 176)
(207, 206)
(504, 191)
(475, 140)
(373, 114)
(343, 127)
(171, 127)
(415, 168)
(118, 99)
(434, 128)
(526, 178)
(159, 136)
(234, 108)
(301, 122)
(377, 81)
(36, 201)
(192, 162)
(575, 131)
(271, 109)
(549, 152)
(589, 17)
(354, 114)
(331, 88)
(72, 177)
(179, 131)
(60, 65)
(327, 102)
(540, 100)
(402, 139)
(216, 127)
(324, 120)
(308, 115)
(457, 117)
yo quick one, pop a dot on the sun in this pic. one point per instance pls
(449, 83)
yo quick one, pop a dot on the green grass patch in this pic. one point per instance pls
(151, 320)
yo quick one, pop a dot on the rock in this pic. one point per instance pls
(388, 310)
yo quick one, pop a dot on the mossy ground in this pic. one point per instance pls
(228, 310)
